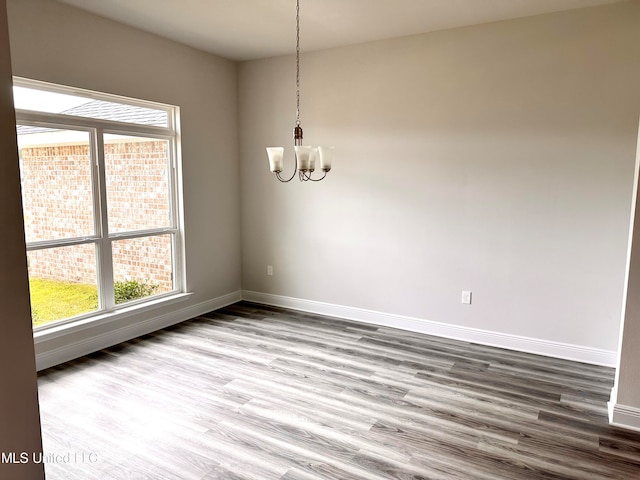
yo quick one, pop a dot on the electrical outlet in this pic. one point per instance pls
(269, 270)
(466, 297)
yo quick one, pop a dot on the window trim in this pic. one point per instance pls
(102, 239)
(45, 119)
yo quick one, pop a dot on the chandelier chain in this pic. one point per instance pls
(297, 63)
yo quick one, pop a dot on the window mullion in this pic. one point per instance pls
(62, 242)
(104, 253)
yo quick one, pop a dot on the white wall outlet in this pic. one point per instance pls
(269, 270)
(466, 297)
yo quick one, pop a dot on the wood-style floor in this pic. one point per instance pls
(254, 392)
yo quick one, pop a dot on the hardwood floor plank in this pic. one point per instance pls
(553, 461)
(357, 438)
(250, 392)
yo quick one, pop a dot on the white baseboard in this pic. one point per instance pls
(624, 416)
(613, 399)
(89, 342)
(484, 337)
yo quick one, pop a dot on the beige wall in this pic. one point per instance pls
(496, 158)
(19, 417)
(57, 43)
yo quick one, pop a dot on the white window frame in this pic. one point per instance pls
(102, 239)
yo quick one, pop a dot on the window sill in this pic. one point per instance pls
(55, 331)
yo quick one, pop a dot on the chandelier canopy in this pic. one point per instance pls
(306, 157)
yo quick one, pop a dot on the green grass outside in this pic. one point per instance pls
(53, 300)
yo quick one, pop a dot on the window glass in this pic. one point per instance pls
(137, 183)
(79, 106)
(62, 282)
(55, 167)
(142, 267)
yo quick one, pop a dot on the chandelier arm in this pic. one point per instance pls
(282, 179)
(305, 176)
(292, 175)
(318, 179)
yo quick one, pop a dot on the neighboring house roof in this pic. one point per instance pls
(119, 112)
(102, 110)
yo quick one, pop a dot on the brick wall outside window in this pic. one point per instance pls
(57, 197)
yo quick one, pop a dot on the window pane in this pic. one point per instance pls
(142, 267)
(62, 282)
(79, 106)
(55, 166)
(137, 183)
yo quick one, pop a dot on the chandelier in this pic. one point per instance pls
(306, 157)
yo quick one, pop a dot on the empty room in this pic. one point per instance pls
(319, 239)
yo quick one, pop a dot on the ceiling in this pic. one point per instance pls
(251, 29)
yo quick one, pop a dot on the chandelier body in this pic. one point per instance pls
(306, 157)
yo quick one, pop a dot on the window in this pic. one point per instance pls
(100, 200)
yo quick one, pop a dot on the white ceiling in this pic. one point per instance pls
(250, 29)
